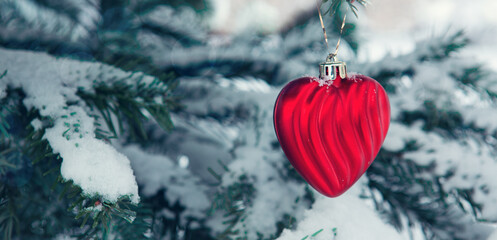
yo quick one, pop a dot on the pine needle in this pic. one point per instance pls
(316, 233)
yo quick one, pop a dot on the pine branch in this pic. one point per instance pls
(9, 222)
(70, 9)
(418, 192)
(436, 50)
(415, 192)
(31, 163)
(100, 216)
(435, 118)
(140, 227)
(418, 196)
(54, 25)
(127, 101)
(287, 222)
(469, 75)
(336, 4)
(233, 200)
(441, 49)
(21, 184)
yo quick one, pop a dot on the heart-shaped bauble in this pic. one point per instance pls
(332, 131)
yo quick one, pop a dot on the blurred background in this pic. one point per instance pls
(384, 26)
(219, 173)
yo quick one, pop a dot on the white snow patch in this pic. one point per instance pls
(323, 81)
(246, 84)
(94, 165)
(493, 236)
(183, 161)
(37, 124)
(353, 76)
(395, 139)
(348, 216)
(155, 172)
(64, 237)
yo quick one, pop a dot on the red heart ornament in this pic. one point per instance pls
(332, 132)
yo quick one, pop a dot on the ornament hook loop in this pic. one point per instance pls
(331, 68)
(332, 57)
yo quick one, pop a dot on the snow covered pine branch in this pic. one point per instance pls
(69, 109)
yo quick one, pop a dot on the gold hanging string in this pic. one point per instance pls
(341, 31)
(324, 29)
(322, 25)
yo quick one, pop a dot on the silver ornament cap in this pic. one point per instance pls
(331, 68)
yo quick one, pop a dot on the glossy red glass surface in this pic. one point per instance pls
(331, 134)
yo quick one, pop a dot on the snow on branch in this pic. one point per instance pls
(346, 217)
(252, 199)
(51, 86)
(48, 21)
(92, 164)
(155, 172)
(438, 105)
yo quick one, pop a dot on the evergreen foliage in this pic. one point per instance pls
(29, 165)
(415, 192)
(222, 114)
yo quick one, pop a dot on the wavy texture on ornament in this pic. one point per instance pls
(332, 133)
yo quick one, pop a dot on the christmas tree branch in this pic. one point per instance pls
(335, 6)
(136, 97)
(417, 196)
(233, 200)
(436, 49)
(127, 102)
